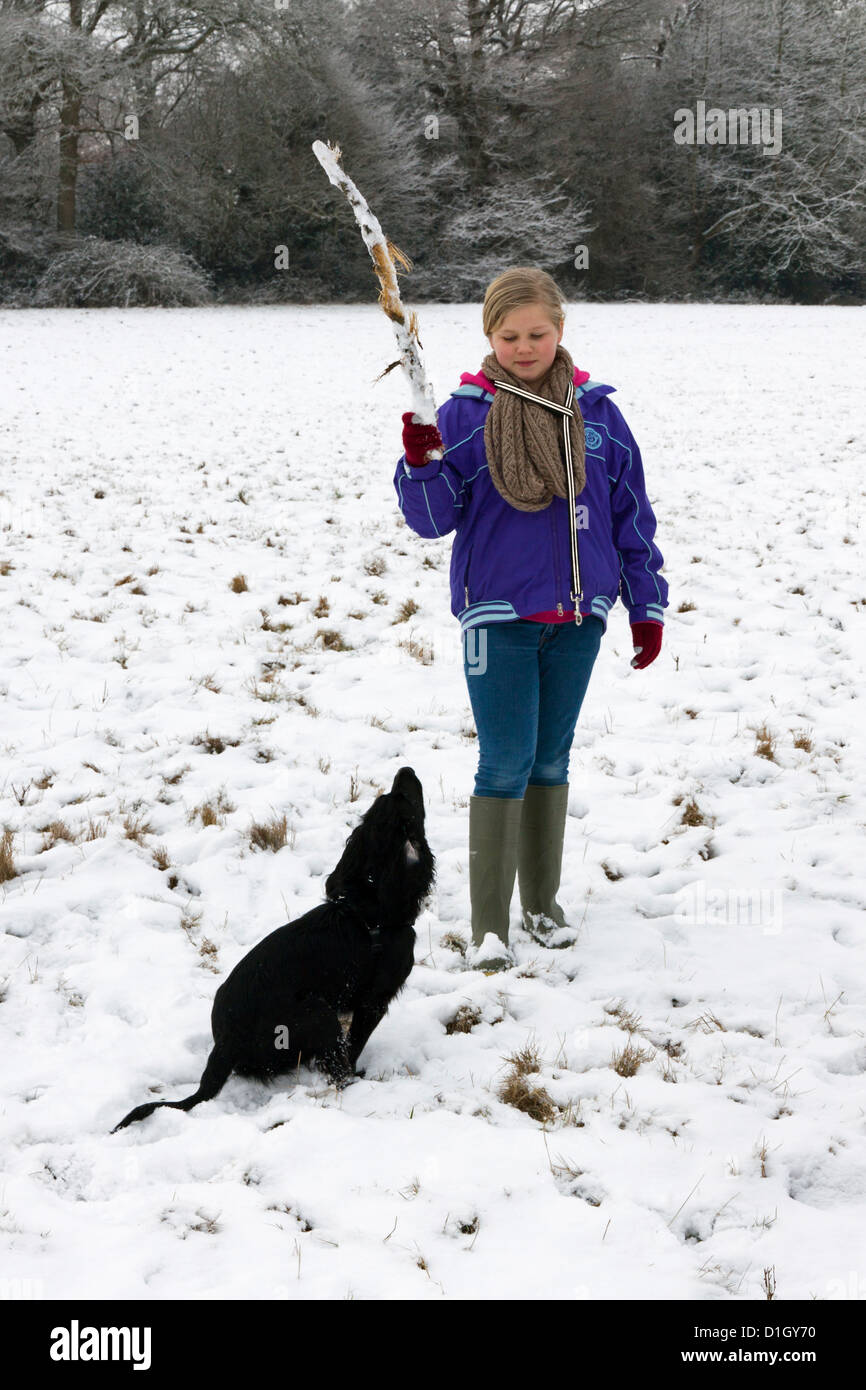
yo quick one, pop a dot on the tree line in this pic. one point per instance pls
(633, 148)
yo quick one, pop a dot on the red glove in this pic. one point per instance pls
(419, 440)
(647, 640)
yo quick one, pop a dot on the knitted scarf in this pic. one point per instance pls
(523, 440)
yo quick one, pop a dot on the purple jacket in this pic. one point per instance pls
(507, 564)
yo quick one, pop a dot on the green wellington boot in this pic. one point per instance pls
(539, 864)
(494, 828)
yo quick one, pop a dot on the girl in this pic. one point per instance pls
(543, 484)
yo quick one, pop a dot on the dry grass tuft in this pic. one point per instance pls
(272, 834)
(212, 743)
(136, 827)
(626, 1018)
(453, 941)
(268, 624)
(570, 1115)
(171, 779)
(209, 952)
(213, 812)
(7, 862)
(465, 1019)
(299, 699)
(707, 1023)
(419, 651)
(668, 1073)
(406, 610)
(208, 1225)
(468, 1227)
(74, 999)
(333, 640)
(803, 740)
(531, 1100)
(527, 1060)
(239, 584)
(267, 688)
(160, 857)
(190, 921)
(57, 830)
(627, 1062)
(765, 743)
(692, 814)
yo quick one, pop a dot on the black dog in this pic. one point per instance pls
(282, 1002)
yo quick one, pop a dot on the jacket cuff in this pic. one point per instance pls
(647, 613)
(421, 471)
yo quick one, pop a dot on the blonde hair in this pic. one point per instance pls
(516, 287)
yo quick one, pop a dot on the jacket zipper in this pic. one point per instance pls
(577, 587)
(466, 576)
(577, 592)
(578, 616)
(559, 607)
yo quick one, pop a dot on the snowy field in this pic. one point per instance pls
(156, 709)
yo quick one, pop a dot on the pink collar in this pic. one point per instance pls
(479, 379)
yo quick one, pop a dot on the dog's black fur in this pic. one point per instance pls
(351, 954)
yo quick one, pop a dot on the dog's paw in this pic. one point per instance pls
(343, 1080)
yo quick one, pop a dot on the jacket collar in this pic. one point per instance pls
(479, 379)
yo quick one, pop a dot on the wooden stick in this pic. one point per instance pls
(384, 254)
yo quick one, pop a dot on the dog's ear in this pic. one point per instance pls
(397, 898)
(351, 874)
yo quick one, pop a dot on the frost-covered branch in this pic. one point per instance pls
(384, 254)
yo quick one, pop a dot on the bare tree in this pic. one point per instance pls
(792, 218)
(62, 61)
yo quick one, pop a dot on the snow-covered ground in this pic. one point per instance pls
(148, 458)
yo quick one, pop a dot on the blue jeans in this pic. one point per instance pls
(526, 683)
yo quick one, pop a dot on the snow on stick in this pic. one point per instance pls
(384, 253)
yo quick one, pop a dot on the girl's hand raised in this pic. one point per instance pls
(647, 640)
(419, 440)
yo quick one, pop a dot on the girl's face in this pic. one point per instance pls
(525, 342)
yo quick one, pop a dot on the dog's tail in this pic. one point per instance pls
(214, 1077)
